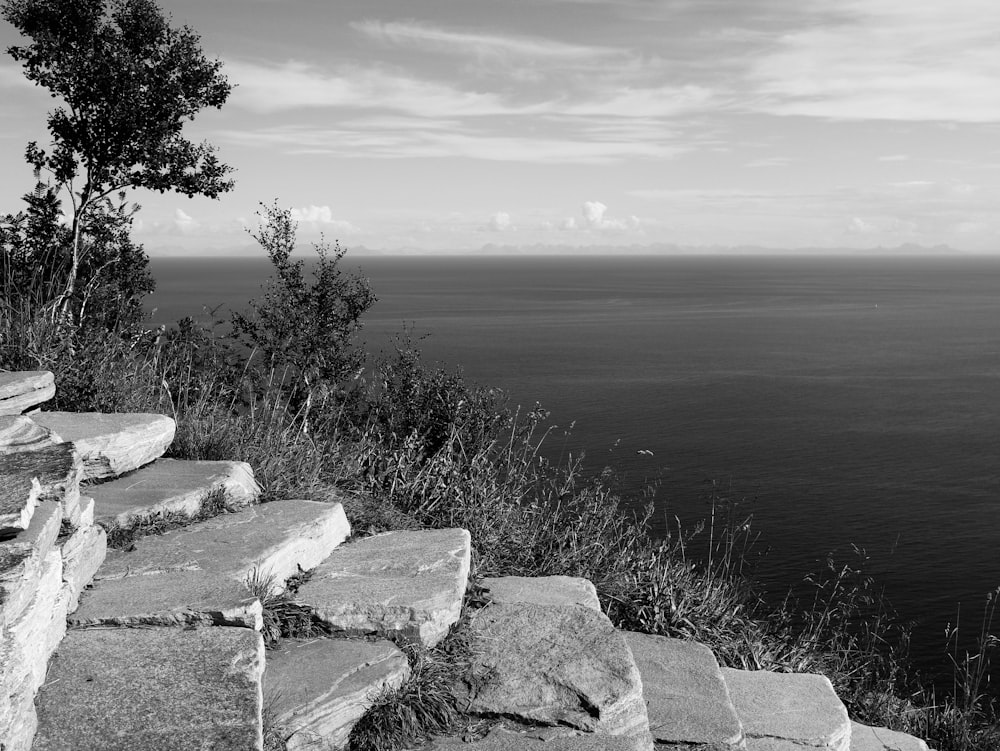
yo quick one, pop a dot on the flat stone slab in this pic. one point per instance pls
(319, 689)
(20, 390)
(543, 590)
(556, 665)
(408, 583)
(153, 689)
(172, 486)
(52, 473)
(686, 697)
(203, 572)
(111, 444)
(796, 708)
(506, 740)
(865, 738)
(21, 433)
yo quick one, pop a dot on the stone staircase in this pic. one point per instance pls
(159, 645)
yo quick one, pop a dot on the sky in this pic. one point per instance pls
(458, 124)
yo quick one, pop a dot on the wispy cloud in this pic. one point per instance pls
(265, 87)
(360, 142)
(913, 60)
(481, 45)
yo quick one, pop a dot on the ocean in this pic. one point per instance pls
(845, 401)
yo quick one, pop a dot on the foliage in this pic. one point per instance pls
(129, 81)
(36, 258)
(305, 327)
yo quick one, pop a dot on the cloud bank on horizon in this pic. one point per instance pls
(778, 123)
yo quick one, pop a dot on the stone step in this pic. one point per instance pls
(27, 644)
(20, 390)
(203, 573)
(406, 583)
(686, 697)
(172, 486)
(22, 559)
(865, 738)
(21, 433)
(502, 739)
(317, 690)
(52, 473)
(83, 551)
(556, 665)
(111, 444)
(788, 711)
(153, 689)
(542, 590)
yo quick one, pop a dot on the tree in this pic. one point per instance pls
(129, 81)
(309, 326)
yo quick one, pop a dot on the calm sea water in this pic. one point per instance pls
(850, 401)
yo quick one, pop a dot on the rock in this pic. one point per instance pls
(83, 553)
(153, 689)
(864, 738)
(25, 648)
(555, 665)
(173, 486)
(407, 583)
(23, 389)
(687, 700)
(111, 444)
(543, 590)
(21, 433)
(22, 560)
(319, 689)
(201, 573)
(507, 740)
(794, 708)
(51, 473)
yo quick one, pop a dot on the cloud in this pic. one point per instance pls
(322, 216)
(499, 222)
(479, 44)
(293, 84)
(183, 222)
(355, 140)
(594, 218)
(911, 60)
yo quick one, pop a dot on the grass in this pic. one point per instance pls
(124, 536)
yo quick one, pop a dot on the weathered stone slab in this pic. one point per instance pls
(794, 708)
(173, 486)
(407, 583)
(22, 559)
(557, 664)
(506, 740)
(201, 572)
(686, 697)
(52, 473)
(319, 689)
(21, 433)
(543, 590)
(33, 634)
(83, 553)
(111, 444)
(153, 690)
(20, 390)
(865, 738)
(18, 720)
